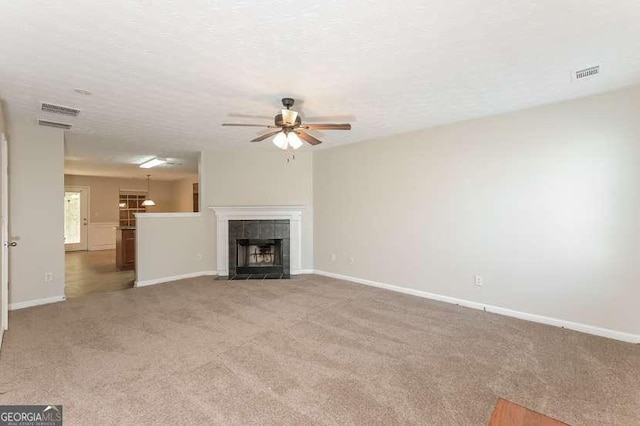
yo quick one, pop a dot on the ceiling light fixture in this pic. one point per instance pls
(292, 132)
(152, 163)
(148, 201)
(281, 141)
(83, 92)
(285, 139)
(294, 140)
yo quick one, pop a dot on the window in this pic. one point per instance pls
(72, 219)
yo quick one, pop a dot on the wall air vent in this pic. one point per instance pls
(54, 124)
(59, 109)
(587, 72)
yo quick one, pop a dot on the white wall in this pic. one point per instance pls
(258, 177)
(182, 194)
(238, 178)
(172, 245)
(543, 203)
(4, 293)
(2, 119)
(36, 190)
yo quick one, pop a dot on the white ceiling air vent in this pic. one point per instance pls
(587, 72)
(59, 109)
(54, 124)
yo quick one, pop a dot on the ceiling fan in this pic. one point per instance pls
(290, 128)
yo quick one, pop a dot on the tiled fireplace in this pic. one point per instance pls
(258, 241)
(259, 249)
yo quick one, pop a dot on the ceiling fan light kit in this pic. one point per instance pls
(285, 140)
(294, 140)
(281, 140)
(290, 128)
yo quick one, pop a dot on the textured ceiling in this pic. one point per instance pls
(96, 156)
(166, 74)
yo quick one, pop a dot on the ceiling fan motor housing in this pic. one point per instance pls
(280, 122)
(287, 102)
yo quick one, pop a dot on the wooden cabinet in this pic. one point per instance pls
(125, 248)
(129, 205)
(196, 201)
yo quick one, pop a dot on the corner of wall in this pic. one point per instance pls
(36, 179)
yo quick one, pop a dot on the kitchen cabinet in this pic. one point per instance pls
(125, 247)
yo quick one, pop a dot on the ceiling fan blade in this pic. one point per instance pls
(246, 125)
(308, 138)
(266, 135)
(329, 119)
(327, 126)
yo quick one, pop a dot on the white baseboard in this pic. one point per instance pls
(1, 336)
(102, 247)
(35, 302)
(304, 271)
(173, 278)
(583, 328)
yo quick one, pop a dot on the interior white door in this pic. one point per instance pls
(76, 218)
(4, 234)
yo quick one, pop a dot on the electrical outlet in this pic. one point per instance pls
(198, 256)
(48, 277)
(478, 281)
(333, 257)
(351, 261)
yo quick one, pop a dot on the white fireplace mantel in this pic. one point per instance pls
(226, 213)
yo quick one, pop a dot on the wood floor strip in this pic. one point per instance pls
(507, 413)
(94, 272)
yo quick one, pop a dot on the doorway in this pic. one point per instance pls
(76, 218)
(90, 259)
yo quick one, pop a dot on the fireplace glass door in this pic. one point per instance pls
(259, 256)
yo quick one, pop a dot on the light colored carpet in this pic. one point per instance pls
(304, 351)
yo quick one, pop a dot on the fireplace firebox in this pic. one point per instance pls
(259, 256)
(259, 249)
